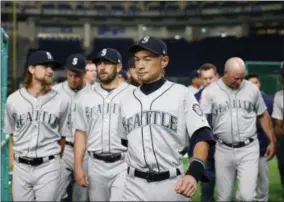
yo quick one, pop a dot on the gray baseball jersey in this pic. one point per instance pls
(36, 123)
(97, 115)
(234, 112)
(158, 126)
(278, 106)
(66, 92)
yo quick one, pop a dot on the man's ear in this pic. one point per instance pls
(31, 69)
(119, 68)
(165, 61)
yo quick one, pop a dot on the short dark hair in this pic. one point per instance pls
(208, 66)
(250, 76)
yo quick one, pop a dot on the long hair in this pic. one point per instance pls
(27, 80)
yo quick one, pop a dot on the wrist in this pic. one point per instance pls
(196, 169)
(272, 140)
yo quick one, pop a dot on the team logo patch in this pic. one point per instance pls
(196, 108)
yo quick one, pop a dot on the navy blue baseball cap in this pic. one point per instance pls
(76, 63)
(151, 44)
(42, 57)
(108, 54)
(194, 74)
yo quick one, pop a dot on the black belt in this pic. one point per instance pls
(69, 143)
(33, 161)
(153, 176)
(238, 144)
(108, 158)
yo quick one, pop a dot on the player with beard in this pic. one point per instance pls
(96, 123)
(36, 117)
(72, 89)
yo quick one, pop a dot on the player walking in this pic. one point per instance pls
(96, 131)
(262, 190)
(157, 120)
(72, 89)
(208, 74)
(278, 115)
(235, 106)
(37, 116)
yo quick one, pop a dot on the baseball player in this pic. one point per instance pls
(91, 73)
(96, 131)
(195, 85)
(277, 115)
(72, 89)
(132, 77)
(157, 119)
(235, 106)
(208, 74)
(36, 117)
(262, 191)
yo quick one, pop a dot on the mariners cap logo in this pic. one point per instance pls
(104, 52)
(49, 56)
(118, 61)
(145, 39)
(75, 61)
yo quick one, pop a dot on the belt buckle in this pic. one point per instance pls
(234, 145)
(109, 158)
(150, 176)
(247, 141)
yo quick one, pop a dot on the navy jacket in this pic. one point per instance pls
(263, 140)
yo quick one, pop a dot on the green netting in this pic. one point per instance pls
(5, 191)
(268, 73)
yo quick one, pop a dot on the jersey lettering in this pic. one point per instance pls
(109, 108)
(163, 119)
(42, 116)
(235, 104)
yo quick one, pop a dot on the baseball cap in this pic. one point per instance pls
(108, 54)
(41, 57)
(151, 44)
(194, 74)
(130, 63)
(76, 63)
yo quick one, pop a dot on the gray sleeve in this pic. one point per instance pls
(9, 120)
(194, 115)
(260, 106)
(277, 107)
(121, 129)
(206, 102)
(64, 119)
(80, 119)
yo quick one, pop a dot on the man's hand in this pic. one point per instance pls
(186, 186)
(81, 177)
(270, 151)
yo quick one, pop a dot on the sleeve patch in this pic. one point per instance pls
(196, 108)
